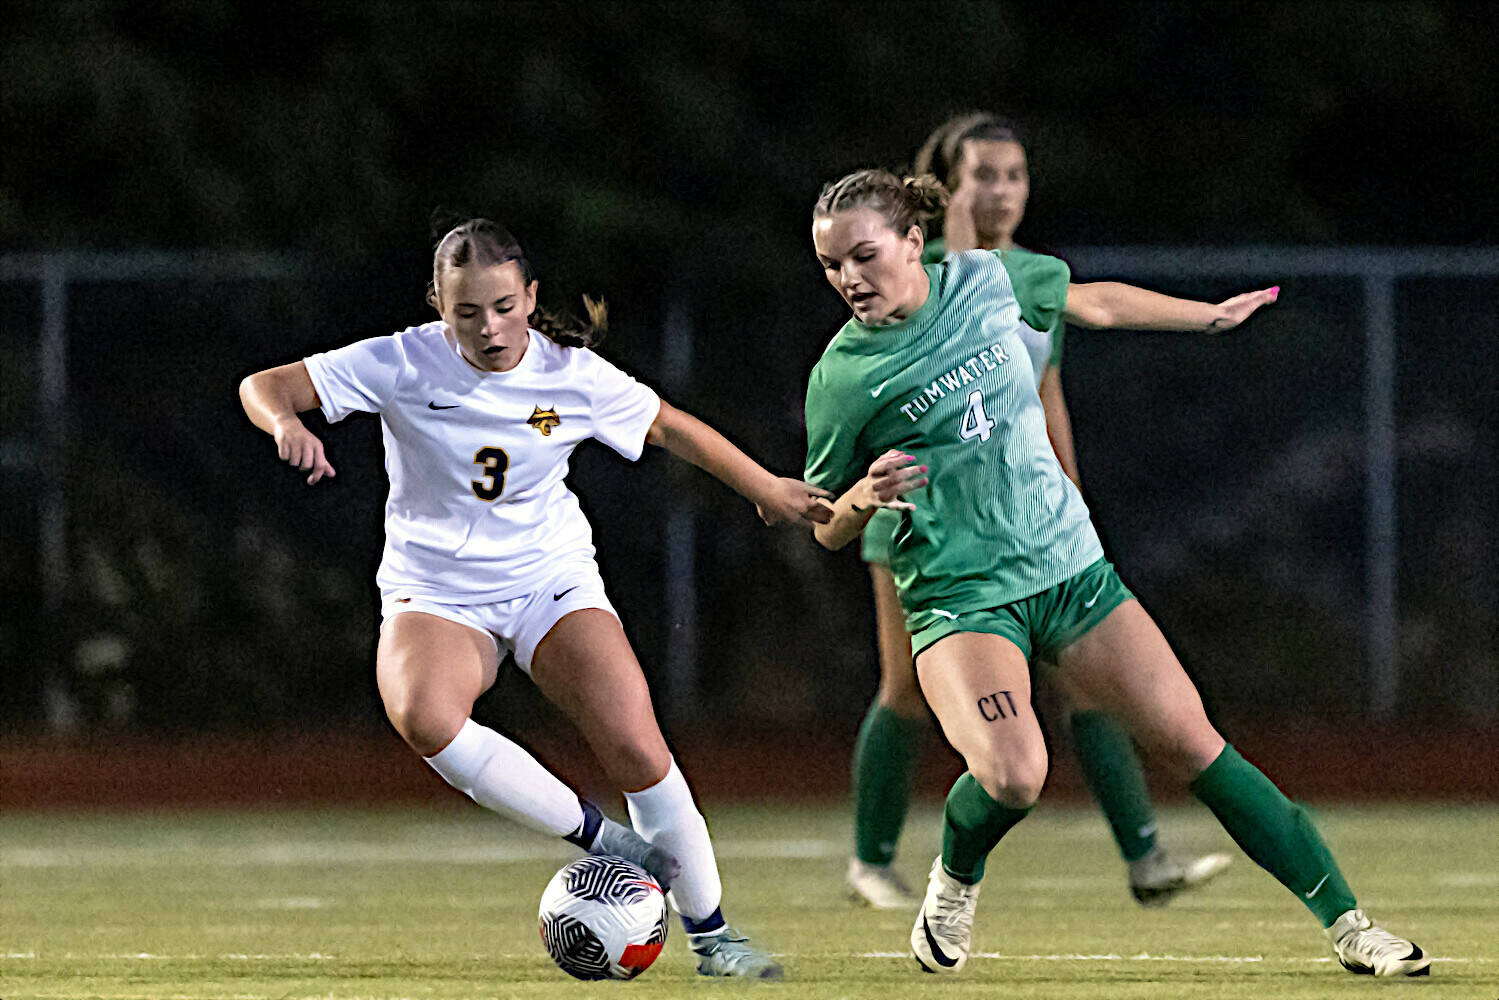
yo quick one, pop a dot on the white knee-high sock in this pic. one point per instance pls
(499, 775)
(665, 814)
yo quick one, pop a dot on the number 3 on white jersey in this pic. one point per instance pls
(976, 423)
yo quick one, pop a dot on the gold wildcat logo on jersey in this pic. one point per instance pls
(544, 421)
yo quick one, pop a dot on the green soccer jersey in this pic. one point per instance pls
(1044, 348)
(952, 385)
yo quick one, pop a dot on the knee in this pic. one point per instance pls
(1013, 778)
(1185, 755)
(903, 698)
(635, 761)
(425, 725)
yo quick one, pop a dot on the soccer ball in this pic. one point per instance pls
(603, 918)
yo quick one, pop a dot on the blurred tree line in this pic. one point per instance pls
(627, 136)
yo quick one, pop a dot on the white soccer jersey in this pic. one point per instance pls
(478, 510)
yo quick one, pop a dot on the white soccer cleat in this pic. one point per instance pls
(1369, 950)
(1155, 879)
(879, 886)
(944, 926)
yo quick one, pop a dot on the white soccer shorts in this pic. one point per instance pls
(520, 623)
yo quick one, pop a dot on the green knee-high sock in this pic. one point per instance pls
(972, 823)
(883, 757)
(1116, 779)
(1276, 833)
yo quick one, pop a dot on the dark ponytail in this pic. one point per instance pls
(567, 331)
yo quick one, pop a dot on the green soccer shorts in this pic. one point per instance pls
(1043, 624)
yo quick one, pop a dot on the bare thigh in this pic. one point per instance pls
(430, 672)
(1125, 666)
(899, 691)
(585, 667)
(979, 687)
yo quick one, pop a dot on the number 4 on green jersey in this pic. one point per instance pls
(976, 423)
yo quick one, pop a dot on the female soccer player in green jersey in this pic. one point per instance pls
(923, 403)
(983, 163)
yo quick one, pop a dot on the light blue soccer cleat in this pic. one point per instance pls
(725, 952)
(622, 842)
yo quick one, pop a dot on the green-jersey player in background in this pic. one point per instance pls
(982, 161)
(924, 403)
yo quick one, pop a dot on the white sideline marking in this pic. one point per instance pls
(1143, 957)
(146, 956)
(336, 852)
(232, 996)
(1468, 880)
(997, 956)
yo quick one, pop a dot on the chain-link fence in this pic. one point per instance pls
(1307, 505)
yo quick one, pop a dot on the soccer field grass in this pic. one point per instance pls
(442, 904)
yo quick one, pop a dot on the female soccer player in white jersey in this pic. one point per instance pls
(995, 558)
(982, 161)
(487, 550)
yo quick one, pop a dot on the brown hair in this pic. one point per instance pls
(903, 201)
(480, 241)
(943, 149)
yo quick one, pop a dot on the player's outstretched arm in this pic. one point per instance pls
(890, 477)
(778, 499)
(272, 399)
(1103, 304)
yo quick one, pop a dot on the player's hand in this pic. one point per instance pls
(890, 477)
(300, 447)
(958, 227)
(1236, 310)
(793, 501)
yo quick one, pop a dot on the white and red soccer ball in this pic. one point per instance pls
(603, 918)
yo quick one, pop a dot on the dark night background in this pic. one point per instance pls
(665, 156)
